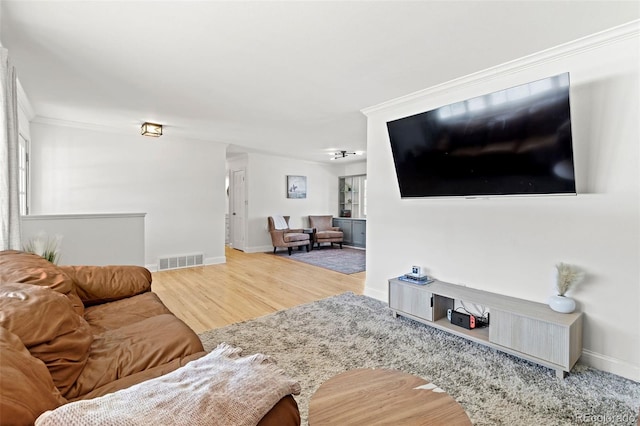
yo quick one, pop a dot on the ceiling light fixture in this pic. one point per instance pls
(151, 129)
(342, 154)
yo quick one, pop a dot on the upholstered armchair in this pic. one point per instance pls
(283, 236)
(325, 232)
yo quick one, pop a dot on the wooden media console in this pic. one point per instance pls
(526, 329)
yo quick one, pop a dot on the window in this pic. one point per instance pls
(23, 171)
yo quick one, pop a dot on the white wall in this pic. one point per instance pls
(510, 245)
(121, 237)
(178, 183)
(358, 168)
(266, 184)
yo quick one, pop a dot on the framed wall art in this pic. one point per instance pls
(296, 187)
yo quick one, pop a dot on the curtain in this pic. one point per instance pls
(9, 191)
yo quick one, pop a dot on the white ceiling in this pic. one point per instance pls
(288, 78)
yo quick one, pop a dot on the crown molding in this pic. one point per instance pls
(82, 125)
(590, 42)
(128, 130)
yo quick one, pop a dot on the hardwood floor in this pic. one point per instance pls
(249, 285)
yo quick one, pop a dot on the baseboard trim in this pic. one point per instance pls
(215, 260)
(610, 365)
(269, 249)
(153, 267)
(258, 249)
(376, 294)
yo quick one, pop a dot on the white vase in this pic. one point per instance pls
(562, 304)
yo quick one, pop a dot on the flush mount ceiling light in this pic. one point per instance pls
(151, 129)
(342, 154)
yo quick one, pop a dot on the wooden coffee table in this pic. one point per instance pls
(383, 397)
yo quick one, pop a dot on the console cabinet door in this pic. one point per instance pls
(410, 299)
(532, 336)
(345, 227)
(359, 233)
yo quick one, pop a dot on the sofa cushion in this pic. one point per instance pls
(221, 388)
(110, 316)
(329, 234)
(26, 387)
(48, 326)
(29, 268)
(148, 374)
(101, 284)
(292, 237)
(133, 348)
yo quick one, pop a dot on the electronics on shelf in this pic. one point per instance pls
(465, 320)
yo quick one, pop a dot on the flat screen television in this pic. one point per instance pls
(516, 141)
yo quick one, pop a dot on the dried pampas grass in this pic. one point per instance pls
(567, 277)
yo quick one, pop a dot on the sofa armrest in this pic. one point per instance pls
(101, 284)
(334, 228)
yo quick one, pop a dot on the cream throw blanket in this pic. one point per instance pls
(279, 222)
(220, 388)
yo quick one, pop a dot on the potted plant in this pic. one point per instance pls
(44, 246)
(567, 276)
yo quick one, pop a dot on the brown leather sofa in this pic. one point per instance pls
(71, 333)
(325, 232)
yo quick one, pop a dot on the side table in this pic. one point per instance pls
(369, 396)
(312, 235)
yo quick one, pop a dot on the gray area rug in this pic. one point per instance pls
(345, 260)
(316, 341)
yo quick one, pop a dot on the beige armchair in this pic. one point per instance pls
(288, 238)
(325, 232)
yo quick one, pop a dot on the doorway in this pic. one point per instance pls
(238, 214)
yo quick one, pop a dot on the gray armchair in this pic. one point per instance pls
(325, 232)
(288, 238)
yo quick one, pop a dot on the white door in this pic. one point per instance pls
(238, 210)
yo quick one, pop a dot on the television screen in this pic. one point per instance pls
(511, 142)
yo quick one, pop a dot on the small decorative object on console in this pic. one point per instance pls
(416, 271)
(417, 274)
(410, 279)
(567, 276)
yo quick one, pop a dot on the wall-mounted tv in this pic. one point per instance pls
(516, 141)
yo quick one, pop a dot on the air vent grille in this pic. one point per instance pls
(180, 261)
